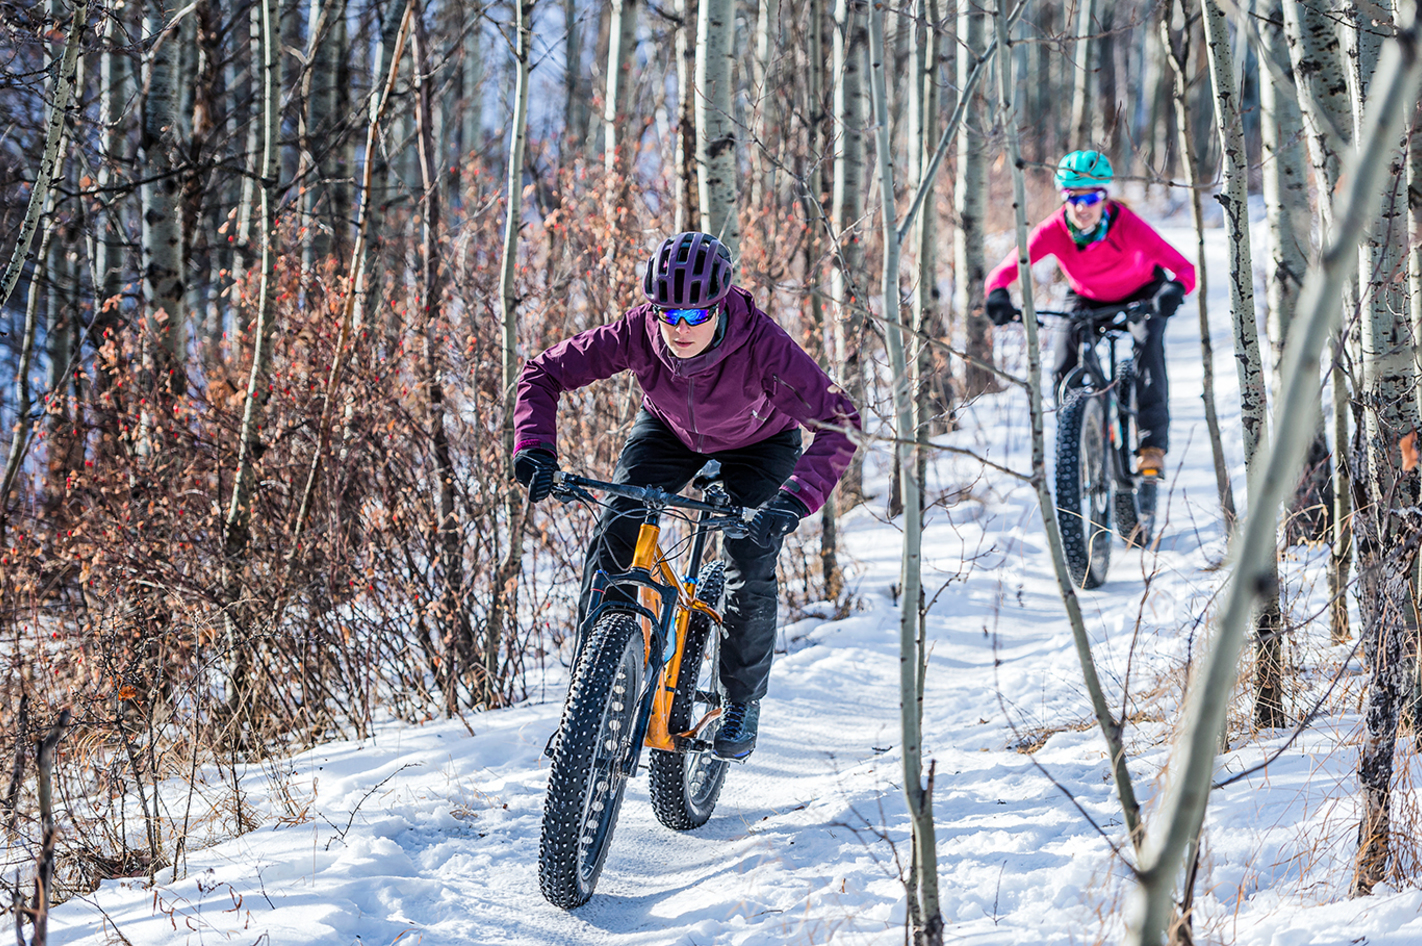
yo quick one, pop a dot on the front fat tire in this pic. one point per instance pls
(686, 785)
(586, 781)
(1083, 488)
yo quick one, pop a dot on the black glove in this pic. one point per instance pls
(1168, 298)
(776, 519)
(1000, 308)
(534, 468)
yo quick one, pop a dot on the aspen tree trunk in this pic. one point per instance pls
(163, 268)
(926, 916)
(816, 115)
(575, 106)
(970, 201)
(59, 302)
(246, 246)
(1268, 623)
(1286, 201)
(617, 106)
(1387, 528)
(457, 634)
(846, 209)
(1314, 52)
(769, 47)
(323, 113)
(113, 94)
(237, 533)
(688, 206)
(715, 124)
(505, 596)
(471, 79)
(1082, 108)
(1178, 53)
(1111, 728)
(1192, 764)
(923, 130)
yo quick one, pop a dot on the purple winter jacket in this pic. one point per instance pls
(756, 383)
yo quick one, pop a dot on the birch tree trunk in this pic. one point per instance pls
(923, 131)
(456, 631)
(1268, 622)
(1287, 205)
(237, 531)
(846, 209)
(1387, 528)
(688, 204)
(768, 49)
(1315, 53)
(163, 264)
(1082, 111)
(715, 124)
(1178, 54)
(471, 78)
(1111, 728)
(816, 114)
(1192, 764)
(114, 91)
(575, 106)
(505, 591)
(970, 200)
(617, 105)
(925, 914)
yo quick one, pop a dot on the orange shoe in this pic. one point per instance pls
(1150, 461)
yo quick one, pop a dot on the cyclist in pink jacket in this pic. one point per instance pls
(1109, 255)
(720, 381)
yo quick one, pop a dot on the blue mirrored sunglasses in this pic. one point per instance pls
(692, 317)
(1084, 200)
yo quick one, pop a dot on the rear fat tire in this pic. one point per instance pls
(686, 785)
(1135, 504)
(586, 780)
(1084, 487)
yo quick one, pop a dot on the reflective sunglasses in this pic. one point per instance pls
(1084, 200)
(692, 317)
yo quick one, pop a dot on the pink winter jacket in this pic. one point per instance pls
(1106, 271)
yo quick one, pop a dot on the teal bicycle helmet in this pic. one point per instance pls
(1083, 169)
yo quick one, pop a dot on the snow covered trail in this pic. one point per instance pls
(429, 834)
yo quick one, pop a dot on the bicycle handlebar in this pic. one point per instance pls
(573, 486)
(1106, 317)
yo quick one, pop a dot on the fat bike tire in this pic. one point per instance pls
(1135, 503)
(685, 785)
(587, 779)
(1084, 487)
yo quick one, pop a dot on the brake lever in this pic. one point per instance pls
(567, 492)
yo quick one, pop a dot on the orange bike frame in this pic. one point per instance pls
(648, 556)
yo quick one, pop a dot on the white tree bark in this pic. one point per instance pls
(1191, 771)
(163, 274)
(715, 123)
(1082, 109)
(1268, 652)
(617, 105)
(846, 211)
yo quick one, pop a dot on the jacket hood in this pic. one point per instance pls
(737, 336)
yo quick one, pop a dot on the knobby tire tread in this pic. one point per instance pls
(1078, 542)
(571, 775)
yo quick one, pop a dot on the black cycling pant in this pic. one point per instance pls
(1152, 385)
(654, 456)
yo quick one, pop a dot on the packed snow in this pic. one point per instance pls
(429, 834)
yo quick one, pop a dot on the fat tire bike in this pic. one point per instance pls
(646, 674)
(1097, 436)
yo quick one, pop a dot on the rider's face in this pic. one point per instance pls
(688, 341)
(1083, 216)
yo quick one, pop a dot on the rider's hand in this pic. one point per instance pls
(776, 519)
(1168, 298)
(534, 469)
(1000, 308)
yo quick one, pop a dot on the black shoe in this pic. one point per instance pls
(736, 737)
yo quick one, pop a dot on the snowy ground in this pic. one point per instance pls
(429, 834)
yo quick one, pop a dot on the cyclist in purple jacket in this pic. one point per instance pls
(720, 381)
